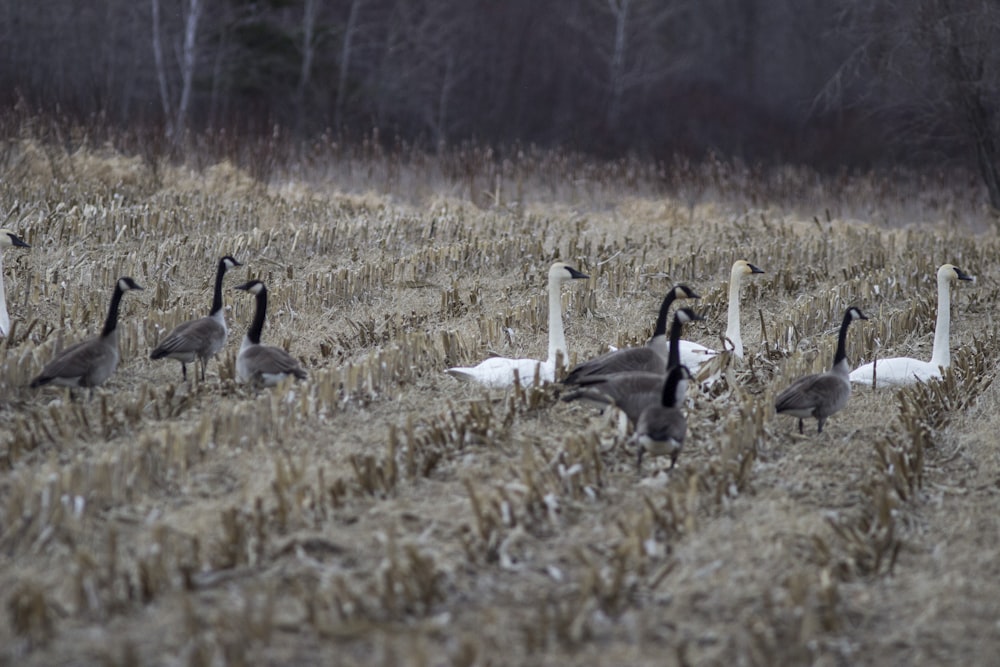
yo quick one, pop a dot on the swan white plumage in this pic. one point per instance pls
(692, 354)
(899, 371)
(7, 239)
(499, 372)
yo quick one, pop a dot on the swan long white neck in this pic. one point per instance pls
(4, 317)
(557, 338)
(942, 330)
(733, 318)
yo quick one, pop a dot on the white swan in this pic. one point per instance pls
(905, 370)
(500, 371)
(693, 354)
(7, 239)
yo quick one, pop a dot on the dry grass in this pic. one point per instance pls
(383, 513)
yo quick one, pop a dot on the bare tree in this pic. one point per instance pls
(421, 66)
(628, 37)
(308, 54)
(933, 68)
(176, 113)
(346, 53)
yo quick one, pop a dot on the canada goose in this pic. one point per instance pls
(633, 391)
(7, 239)
(263, 364)
(651, 357)
(500, 371)
(661, 428)
(91, 362)
(821, 394)
(201, 338)
(693, 354)
(905, 370)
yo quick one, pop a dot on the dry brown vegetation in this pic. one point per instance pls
(383, 513)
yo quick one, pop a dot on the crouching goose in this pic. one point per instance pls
(652, 357)
(263, 364)
(633, 391)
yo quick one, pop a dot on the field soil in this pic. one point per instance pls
(382, 512)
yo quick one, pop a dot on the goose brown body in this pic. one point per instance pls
(263, 364)
(201, 338)
(821, 394)
(652, 357)
(91, 362)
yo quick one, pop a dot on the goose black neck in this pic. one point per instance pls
(674, 355)
(841, 354)
(217, 295)
(661, 318)
(257, 326)
(112, 321)
(674, 378)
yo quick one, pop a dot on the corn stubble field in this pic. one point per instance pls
(382, 512)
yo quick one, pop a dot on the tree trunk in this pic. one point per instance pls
(616, 73)
(345, 62)
(187, 67)
(308, 53)
(986, 155)
(161, 71)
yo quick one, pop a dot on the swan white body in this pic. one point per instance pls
(499, 372)
(694, 355)
(899, 371)
(7, 239)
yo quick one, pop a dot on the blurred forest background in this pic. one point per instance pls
(824, 83)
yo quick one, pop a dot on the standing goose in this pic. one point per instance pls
(7, 239)
(693, 354)
(500, 371)
(651, 357)
(634, 391)
(905, 370)
(90, 363)
(821, 394)
(263, 364)
(201, 338)
(660, 429)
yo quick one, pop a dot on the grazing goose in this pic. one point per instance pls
(263, 364)
(693, 354)
(821, 394)
(201, 338)
(632, 392)
(652, 357)
(904, 370)
(7, 239)
(500, 371)
(661, 428)
(93, 361)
